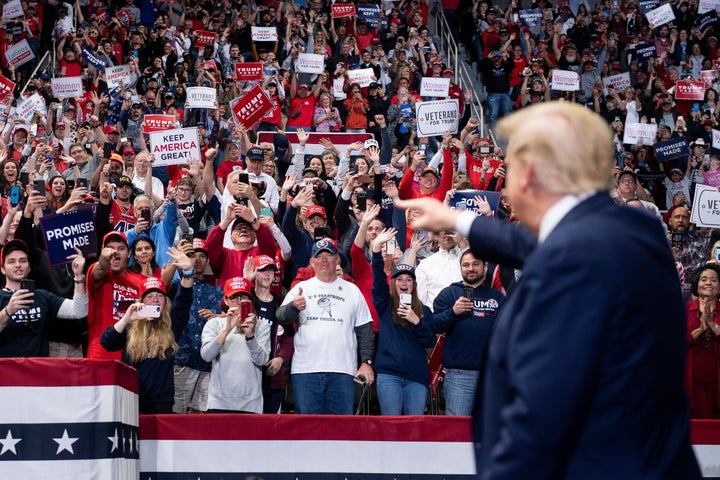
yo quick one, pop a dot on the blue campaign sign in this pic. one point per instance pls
(93, 59)
(465, 199)
(67, 230)
(707, 19)
(645, 51)
(647, 5)
(531, 17)
(369, 12)
(671, 149)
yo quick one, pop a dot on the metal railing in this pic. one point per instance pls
(437, 23)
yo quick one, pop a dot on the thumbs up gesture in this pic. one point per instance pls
(299, 301)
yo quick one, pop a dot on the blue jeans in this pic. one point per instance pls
(460, 387)
(498, 102)
(323, 393)
(399, 396)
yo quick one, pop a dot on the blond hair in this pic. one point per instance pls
(569, 146)
(151, 338)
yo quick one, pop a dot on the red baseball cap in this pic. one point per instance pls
(236, 285)
(152, 284)
(315, 210)
(261, 262)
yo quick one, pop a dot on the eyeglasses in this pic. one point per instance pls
(627, 181)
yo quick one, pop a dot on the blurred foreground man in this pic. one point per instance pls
(584, 377)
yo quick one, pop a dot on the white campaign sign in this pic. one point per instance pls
(661, 15)
(174, 147)
(12, 9)
(19, 54)
(363, 76)
(27, 108)
(565, 80)
(434, 87)
(433, 118)
(310, 63)
(338, 84)
(619, 82)
(114, 75)
(67, 87)
(264, 34)
(201, 97)
(707, 5)
(716, 138)
(640, 131)
(706, 207)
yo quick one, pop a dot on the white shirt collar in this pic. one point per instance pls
(557, 212)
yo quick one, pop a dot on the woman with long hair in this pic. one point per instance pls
(404, 333)
(703, 334)
(58, 194)
(149, 341)
(238, 345)
(144, 260)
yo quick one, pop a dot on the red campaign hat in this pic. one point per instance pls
(152, 284)
(263, 261)
(110, 129)
(114, 235)
(315, 210)
(396, 21)
(236, 285)
(199, 244)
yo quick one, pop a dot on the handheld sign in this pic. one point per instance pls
(248, 71)
(201, 97)
(619, 82)
(19, 54)
(341, 10)
(174, 147)
(671, 149)
(706, 207)
(264, 34)
(310, 63)
(565, 80)
(67, 230)
(12, 9)
(640, 131)
(433, 118)
(158, 123)
(364, 76)
(7, 86)
(465, 200)
(93, 59)
(115, 75)
(661, 15)
(67, 87)
(251, 107)
(434, 87)
(204, 38)
(531, 17)
(689, 90)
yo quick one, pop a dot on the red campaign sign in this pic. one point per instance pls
(248, 71)
(689, 90)
(6, 86)
(708, 77)
(124, 15)
(251, 107)
(204, 37)
(340, 10)
(209, 65)
(158, 123)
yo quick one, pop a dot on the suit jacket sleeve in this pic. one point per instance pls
(507, 244)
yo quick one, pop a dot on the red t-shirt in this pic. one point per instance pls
(107, 304)
(306, 107)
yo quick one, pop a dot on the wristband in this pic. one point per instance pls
(7, 313)
(79, 280)
(187, 273)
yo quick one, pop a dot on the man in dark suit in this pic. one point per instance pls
(584, 377)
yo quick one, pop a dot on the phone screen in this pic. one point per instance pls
(265, 212)
(15, 196)
(246, 307)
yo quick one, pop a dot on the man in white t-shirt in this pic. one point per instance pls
(334, 324)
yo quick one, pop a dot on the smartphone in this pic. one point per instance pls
(360, 379)
(82, 183)
(406, 299)
(717, 254)
(244, 178)
(390, 247)
(39, 185)
(362, 201)
(422, 148)
(320, 233)
(246, 308)
(146, 215)
(308, 187)
(33, 129)
(484, 149)
(107, 149)
(696, 107)
(468, 292)
(27, 284)
(241, 200)
(423, 236)
(148, 311)
(265, 212)
(15, 196)
(70, 184)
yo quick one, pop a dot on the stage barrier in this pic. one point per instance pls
(78, 419)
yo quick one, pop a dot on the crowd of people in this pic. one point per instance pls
(258, 264)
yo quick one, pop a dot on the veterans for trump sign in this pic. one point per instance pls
(201, 97)
(158, 123)
(688, 90)
(434, 87)
(251, 107)
(310, 63)
(565, 80)
(706, 207)
(248, 71)
(67, 87)
(66, 231)
(433, 118)
(19, 54)
(264, 34)
(174, 147)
